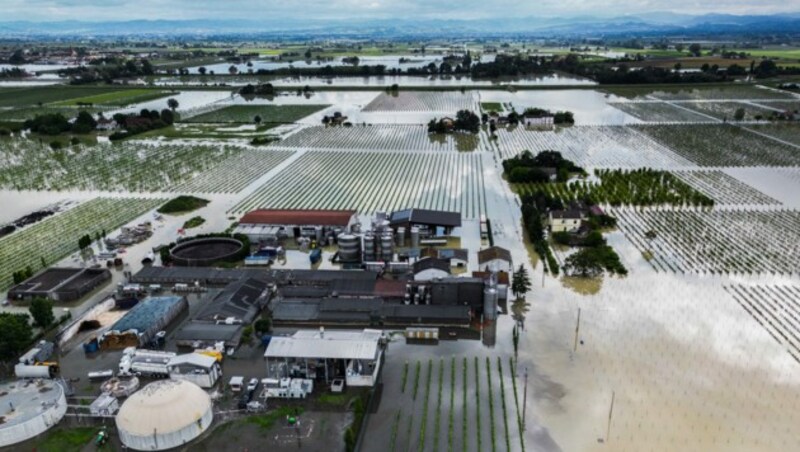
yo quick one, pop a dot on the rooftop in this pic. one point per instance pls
(492, 253)
(431, 263)
(426, 217)
(330, 345)
(299, 217)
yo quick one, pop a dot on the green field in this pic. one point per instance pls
(21, 114)
(492, 106)
(24, 97)
(245, 114)
(117, 98)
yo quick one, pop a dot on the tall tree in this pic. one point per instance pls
(521, 283)
(15, 335)
(41, 310)
(172, 103)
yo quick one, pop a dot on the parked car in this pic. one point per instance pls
(252, 384)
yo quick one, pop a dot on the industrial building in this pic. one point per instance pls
(163, 415)
(139, 326)
(60, 284)
(324, 356)
(202, 370)
(267, 225)
(29, 408)
(429, 223)
(224, 317)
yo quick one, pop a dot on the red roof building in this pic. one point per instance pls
(342, 218)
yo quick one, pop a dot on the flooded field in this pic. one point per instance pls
(695, 349)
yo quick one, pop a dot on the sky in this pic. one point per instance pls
(120, 10)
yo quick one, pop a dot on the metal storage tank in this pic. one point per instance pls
(369, 247)
(414, 237)
(29, 409)
(387, 246)
(163, 415)
(318, 234)
(490, 303)
(401, 236)
(349, 248)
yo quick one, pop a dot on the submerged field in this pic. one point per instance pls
(268, 114)
(54, 238)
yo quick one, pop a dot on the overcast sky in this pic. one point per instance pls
(114, 10)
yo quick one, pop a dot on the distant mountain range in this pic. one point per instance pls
(659, 23)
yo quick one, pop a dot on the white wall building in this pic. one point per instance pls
(202, 370)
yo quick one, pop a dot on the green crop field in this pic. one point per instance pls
(45, 95)
(280, 114)
(491, 106)
(117, 98)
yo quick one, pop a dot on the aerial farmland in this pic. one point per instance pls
(693, 347)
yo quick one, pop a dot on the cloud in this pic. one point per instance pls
(121, 10)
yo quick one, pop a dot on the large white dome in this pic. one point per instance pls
(163, 415)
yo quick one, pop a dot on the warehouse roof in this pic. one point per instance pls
(241, 300)
(330, 345)
(426, 217)
(495, 252)
(299, 217)
(145, 314)
(194, 359)
(431, 262)
(196, 331)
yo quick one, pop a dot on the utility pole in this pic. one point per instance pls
(525, 399)
(610, 412)
(577, 328)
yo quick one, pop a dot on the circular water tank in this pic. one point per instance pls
(164, 415)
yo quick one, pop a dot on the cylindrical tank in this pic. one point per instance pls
(369, 247)
(387, 246)
(355, 228)
(414, 237)
(349, 248)
(401, 236)
(489, 303)
(318, 234)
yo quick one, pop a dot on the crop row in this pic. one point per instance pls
(722, 145)
(374, 181)
(448, 102)
(658, 111)
(234, 173)
(133, 166)
(383, 137)
(591, 146)
(56, 237)
(716, 241)
(724, 189)
(776, 308)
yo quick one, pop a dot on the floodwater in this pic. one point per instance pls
(390, 61)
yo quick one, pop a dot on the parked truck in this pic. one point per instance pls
(148, 363)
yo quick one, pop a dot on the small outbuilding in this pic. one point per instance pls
(429, 268)
(202, 370)
(495, 258)
(568, 220)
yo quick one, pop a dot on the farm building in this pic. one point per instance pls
(270, 225)
(430, 223)
(29, 408)
(202, 370)
(565, 220)
(60, 284)
(139, 326)
(163, 415)
(429, 268)
(326, 355)
(538, 121)
(495, 259)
